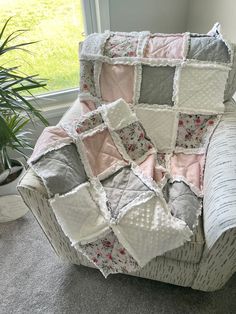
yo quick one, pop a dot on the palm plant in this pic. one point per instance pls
(16, 109)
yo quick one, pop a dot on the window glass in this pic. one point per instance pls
(58, 26)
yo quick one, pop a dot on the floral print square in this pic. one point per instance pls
(135, 140)
(109, 255)
(119, 45)
(87, 77)
(194, 130)
(88, 123)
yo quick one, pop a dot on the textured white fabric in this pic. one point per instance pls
(118, 115)
(145, 227)
(148, 230)
(93, 44)
(79, 216)
(160, 126)
(201, 89)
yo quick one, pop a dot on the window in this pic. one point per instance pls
(58, 26)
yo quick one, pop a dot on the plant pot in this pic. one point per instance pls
(12, 206)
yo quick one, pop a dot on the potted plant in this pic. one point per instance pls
(16, 111)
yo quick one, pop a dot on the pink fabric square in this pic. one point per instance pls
(117, 81)
(166, 46)
(101, 151)
(189, 166)
(87, 105)
(150, 168)
(52, 137)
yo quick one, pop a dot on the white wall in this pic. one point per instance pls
(204, 13)
(167, 16)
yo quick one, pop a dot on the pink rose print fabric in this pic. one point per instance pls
(135, 141)
(193, 130)
(119, 45)
(95, 119)
(87, 78)
(109, 256)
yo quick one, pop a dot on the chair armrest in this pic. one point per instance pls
(33, 182)
(219, 214)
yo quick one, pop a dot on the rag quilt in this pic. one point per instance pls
(125, 177)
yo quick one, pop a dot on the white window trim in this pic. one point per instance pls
(97, 16)
(96, 19)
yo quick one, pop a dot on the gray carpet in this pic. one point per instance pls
(34, 280)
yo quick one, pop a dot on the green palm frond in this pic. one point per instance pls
(16, 106)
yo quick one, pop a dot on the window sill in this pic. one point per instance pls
(55, 104)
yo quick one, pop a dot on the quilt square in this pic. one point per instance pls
(122, 188)
(160, 127)
(151, 169)
(61, 170)
(79, 214)
(188, 167)
(121, 45)
(109, 255)
(202, 88)
(208, 49)
(166, 46)
(101, 152)
(87, 77)
(135, 141)
(86, 106)
(117, 81)
(194, 130)
(118, 114)
(157, 85)
(89, 122)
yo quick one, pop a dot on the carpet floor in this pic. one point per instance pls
(33, 280)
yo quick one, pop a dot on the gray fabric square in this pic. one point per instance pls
(183, 202)
(122, 188)
(61, 170)
(157, 85)
(208, 49)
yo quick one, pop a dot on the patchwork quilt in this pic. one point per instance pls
(125, 177)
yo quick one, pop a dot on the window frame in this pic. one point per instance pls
(96, 19)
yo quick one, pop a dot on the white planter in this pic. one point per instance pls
(12, 206)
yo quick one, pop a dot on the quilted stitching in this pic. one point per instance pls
(121, 46)
(61, 170)
(90, 122)
(109, 255)
(148, 230)
(184, 203)
(159, 126)
(101, 151)
(165, 47)
(157, 85)
(192, 130)
(202, 88)
(208, 49)
(117, 81)
(122, 188)
(190, 167)
(135, 140)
